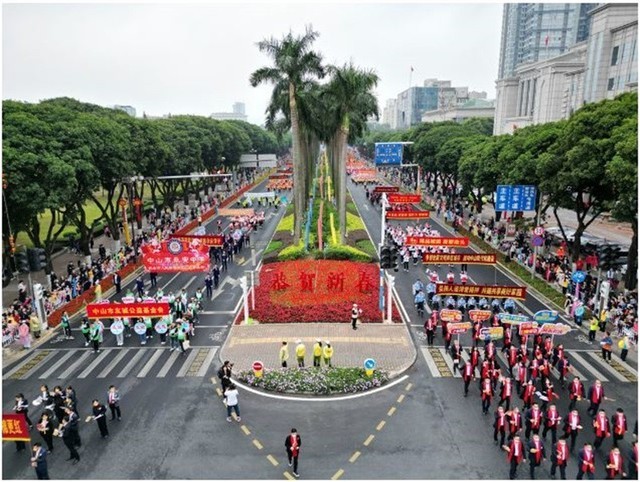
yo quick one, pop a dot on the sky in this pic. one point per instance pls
(197, 58)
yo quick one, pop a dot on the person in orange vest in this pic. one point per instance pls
(572, 427)
(559, 458)
(614, 464)
(499, 425)
(487, 395)
(586, 462)
(601, 428)
(536, 455)
(515, 455)
(619, 424)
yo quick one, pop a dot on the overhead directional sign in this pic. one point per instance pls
(388, 154)
(515, 198)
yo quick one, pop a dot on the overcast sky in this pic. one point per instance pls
(196, 59)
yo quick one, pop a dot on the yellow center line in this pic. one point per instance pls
(272, 459)
(355, 456)
(288, 475)
(219, 392)
(213, 380)
(380, 425)
(257, 444)
(337, 475)
(400, 398)
(245, 429)
(369, 440)
(408, 387)
(391, 411)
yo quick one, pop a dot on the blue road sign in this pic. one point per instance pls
(578, 277)
(369, 364)
(388, 154)
(537, 241)
(515, 198)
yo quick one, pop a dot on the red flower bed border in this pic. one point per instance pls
(321, 306)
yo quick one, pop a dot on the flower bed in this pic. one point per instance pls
(315, 381)
(318, 291)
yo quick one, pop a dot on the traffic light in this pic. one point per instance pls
(22, 262)
(608, 256)
(385, 257)
(394, 258)
(37, 291)
(37, 259)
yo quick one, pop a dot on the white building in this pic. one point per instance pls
(601, 67)
(390, 114)
(460, 113)
(237, 114)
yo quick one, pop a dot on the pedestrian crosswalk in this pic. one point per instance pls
(65, 364)
(588, 365)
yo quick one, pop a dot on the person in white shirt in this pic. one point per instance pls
(231, 397)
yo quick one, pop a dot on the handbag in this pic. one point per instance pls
(186, 344)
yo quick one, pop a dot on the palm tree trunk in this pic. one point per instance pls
(298, 179)
(343, 135)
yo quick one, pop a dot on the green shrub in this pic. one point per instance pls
(274, 245)
(292, 252)
(285, 224)
(346, 252)
(367, 246)
(316, 381)
(354, 222)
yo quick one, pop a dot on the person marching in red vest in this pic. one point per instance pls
(515, 422)
(464, 277)
(633, 461)
(500, 425)
(527, 394)
(558, 354)
(547, 347)
(536, 455)
(450, 277)
(572, 427)
(563, 369)
(559, 458)
(506, 343)
(487, 395)
(619, 424)
(596, 397)
(456, 355)
(601, 428)
(614, 464)
(430, 327)
(515, 455)
(475, 358)
(467, 376)
(495, 373)
(521, 376)
(586, 462)
(549, 394)
(475, 332)
(551, 420)
(490, 351)
(512, 358)
(533, 420)
(576, 392)
(292, 443)
(506, 392)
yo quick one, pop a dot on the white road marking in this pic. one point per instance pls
(187, 364)
(207, 361)
(169, 282)
(589, 368)
(19, 366)
(76, 364)
(449, 361)
(94, 364)
(57, 364)
(608, 367)
(150, 363)
(35, 368)
(435, 373)
(168, 364)
(193, 278)
(629, 368)
(125, 371)
(113, 363)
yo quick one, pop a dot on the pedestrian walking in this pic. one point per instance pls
(576, 392)
(113, 397)
(607, 347)
(66, 325)
(619, 424)
(292, 443)
(355, 313)
(117, 282)
(559, 459)
(68, 437)
(25, 336)
(551, 420)
(22, 406)
(100, 416)
(231, 401)
(614, 464)
(45, 427)
(593, 328)
(467, 376)
(623, 345)
(536, 455)
(224, 374)
(586, 464)
(300, 353)
(85, 328)
(317, 352)
(94, 334)
(515, 455)
(533, 420)
(596, 396)
(600, 428)
(39, 462)
(487, 395)
(327, 353)
(500, 425)
(572, 426)
(284, 354)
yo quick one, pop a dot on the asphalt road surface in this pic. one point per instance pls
(174, 424)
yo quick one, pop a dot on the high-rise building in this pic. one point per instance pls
(237, 114)
(238, 108)
(537, 31)
(390, 114)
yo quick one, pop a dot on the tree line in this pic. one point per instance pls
(58, 153)
(587, 163)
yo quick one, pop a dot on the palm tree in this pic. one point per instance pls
(294, 65)
(351, 100)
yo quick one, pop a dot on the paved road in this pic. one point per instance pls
(174, 426)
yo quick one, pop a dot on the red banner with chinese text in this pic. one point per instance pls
(435, 241)
(126, 310)
(516, 292)
(174, 256)
(14, 428)
(444, 258)
(407, 215)
(386, 189)
(207, 240)
(403, 198)
(279, 176)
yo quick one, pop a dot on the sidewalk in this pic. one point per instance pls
(389, 345)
